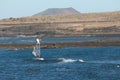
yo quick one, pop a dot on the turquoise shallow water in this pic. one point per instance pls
(101, 63)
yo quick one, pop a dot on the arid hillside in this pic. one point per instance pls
(83, 24)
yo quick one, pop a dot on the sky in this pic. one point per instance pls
(23, 8)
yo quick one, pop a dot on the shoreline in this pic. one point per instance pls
(100, 43)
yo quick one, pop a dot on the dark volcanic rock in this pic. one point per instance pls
(64, 44)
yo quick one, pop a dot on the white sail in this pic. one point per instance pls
(36, 50)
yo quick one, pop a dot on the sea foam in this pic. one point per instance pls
(70, 60)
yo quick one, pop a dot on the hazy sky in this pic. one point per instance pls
(21, 8)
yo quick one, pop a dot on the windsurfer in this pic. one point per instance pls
(37, 41)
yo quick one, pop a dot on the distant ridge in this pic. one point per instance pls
(101, 24)
(58, 11)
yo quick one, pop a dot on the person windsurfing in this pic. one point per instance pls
(37, 41)
(36, 49)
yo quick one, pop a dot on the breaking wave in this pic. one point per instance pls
(70, 60)
(59, 60)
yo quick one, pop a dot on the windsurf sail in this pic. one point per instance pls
(36, 50)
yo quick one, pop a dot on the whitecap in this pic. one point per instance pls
(39, 59)
(70, 60)
(118, 66)
(80, 60)
(66, 60)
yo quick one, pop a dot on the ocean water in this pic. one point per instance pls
(101, 63)
(29, 40)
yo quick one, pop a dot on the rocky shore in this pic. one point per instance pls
(90, 44)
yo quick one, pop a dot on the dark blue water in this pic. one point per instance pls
(101, 63)
(19, 40)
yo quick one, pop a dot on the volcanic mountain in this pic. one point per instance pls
(58, 11)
